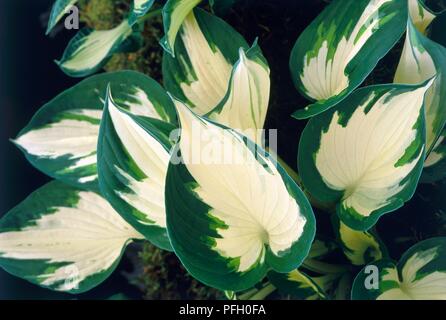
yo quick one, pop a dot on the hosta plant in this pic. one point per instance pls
(183, 161)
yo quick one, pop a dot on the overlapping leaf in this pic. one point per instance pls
(365, 156)
(231, 213)
(133, 156)
(421, 60)
(360, 247)
(341, 47)
(174, 14)
(205, 51)
(139, 9)
(63, 238)
(61, 138)
(419, 275)
(246, 102)
(299, 285)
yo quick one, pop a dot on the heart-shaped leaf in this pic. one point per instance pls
(419, 275)
(63, 238)
(133, 156)
(232, 213)
(341, 47)
(61, 139)
(365, 156)
(205, 52)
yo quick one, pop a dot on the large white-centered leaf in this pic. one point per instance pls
(61, 139)
(341, 47)
(419, 275)
(360, 247)
(232, 213)
(90, 49)
(133, 156)
(421, 60)
(59, 9)
(245, 105)
(174, 14)
(205, 51)
(365, 155)
(63, 238)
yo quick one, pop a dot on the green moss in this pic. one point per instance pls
(103, 14)
(161, 276)
(106, 14)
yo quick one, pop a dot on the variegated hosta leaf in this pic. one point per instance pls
(205, 52)
(419, 275)
(298, 285)
(63, 238)
(133, 156)
(421, 16)
(61, 139)
(232, 214)
(139, 9)
(341, 47)
(435, 164)
(59, 9)
(320, 248)
(90, 49)
(366, 154)
(421, 60)
(245, 105)
(174, 14)
(360, 247)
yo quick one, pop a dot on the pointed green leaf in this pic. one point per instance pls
(245, 105)
(360, 247)
(419, 275)
(139, 9)
(63, 238)
(366, 154)
(298, 285)
(90, 49)
(205, 52)
(421, 60)
(232, 213)
(59, 9)
(133, 156)
(174, 14)
(61, 138)
(341, 47)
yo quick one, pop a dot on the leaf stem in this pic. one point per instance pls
(150, 15)
(343, 289)
(263, 293)
(323, 267)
